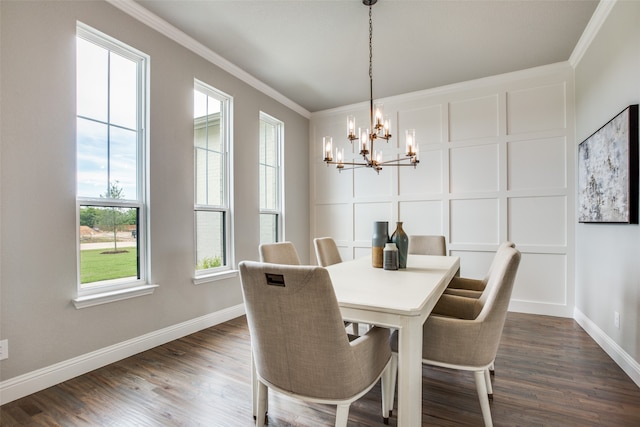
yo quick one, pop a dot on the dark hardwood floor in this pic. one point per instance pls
(549, 372)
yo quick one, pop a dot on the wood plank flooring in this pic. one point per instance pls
(549, 372)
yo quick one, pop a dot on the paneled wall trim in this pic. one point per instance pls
(496, 164)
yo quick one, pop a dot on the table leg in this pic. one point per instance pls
(410, 373)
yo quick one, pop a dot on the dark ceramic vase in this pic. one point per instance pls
(400, 238)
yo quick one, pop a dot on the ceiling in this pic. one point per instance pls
(316, 53)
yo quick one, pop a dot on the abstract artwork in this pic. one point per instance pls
(608, 171)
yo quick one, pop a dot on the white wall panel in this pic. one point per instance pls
(541, 278)
(537, 164)
(474, 264)
(426, 178)
(536, 109)
(473, 118)
(474, 169)
(422, 217)
(368, 183)
(334, 220)
(365, 214)
(474, 221)
(426, 121)
(538, 220)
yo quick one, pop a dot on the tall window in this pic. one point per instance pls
(271, 136)
(212, 207)
(111, 81)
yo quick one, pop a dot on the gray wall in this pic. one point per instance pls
(607, 256)
(38, 228)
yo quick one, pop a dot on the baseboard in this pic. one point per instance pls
(23, 385)
(630, 366)
(544, 309)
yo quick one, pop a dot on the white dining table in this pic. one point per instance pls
(400, 299)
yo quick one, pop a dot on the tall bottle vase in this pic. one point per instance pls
(400, 238)
(378, 241)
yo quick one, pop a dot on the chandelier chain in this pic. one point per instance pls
(370, 46)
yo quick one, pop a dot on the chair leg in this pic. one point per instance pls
(481, 387)
(385, 380)
(342, 414)
(391, 385)
(356, 329)
(492, 368)
(262, 397)
(487, 379)
(254, 390)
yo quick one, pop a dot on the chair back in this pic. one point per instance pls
(279, 253)
(502, 247)
(326, 251)
(427, 245)
(494, 301)
(297, 332)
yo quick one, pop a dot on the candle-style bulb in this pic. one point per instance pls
(327, 148)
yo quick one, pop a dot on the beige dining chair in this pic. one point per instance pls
(299, 345)
(473, 288)
(427, 245)
(327, 254)
(279, 253)
(326, 251)
(467, 333)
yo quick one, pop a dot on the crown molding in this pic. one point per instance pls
(153, 21)
(593, 27)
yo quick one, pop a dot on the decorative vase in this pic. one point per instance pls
(390, 257)
(400, 238)
(378, 241)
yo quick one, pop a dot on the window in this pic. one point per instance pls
(111, 83)
(271, 135)
(211, 125)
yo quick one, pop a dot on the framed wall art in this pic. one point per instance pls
(608, 172)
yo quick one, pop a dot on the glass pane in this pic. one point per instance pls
(210, 240)
(108, 244)
(268, 228)
(123, 92)
(91, 151)
(270, 189)
(270, 145)
(215, 169)
(92, 80)
(123, 162)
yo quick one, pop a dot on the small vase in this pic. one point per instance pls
(400, 238)
(378, 241)
(390, 257)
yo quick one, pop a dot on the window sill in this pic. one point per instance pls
(107, 297)
(215, 277)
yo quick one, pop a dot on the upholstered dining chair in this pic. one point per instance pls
(466, 335)
(279, 253)
(427, 245)
(327, 254)
(299, 345)
(326, 251)
(473, 288)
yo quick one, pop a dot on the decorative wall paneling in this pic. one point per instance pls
(496, 164)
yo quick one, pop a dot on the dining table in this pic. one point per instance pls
(399, 299)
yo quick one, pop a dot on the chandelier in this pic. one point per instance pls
(379, 128)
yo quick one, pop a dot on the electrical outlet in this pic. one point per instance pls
(4, 349)
(616, 319)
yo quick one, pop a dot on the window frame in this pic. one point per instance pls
(116, 289)
(279, 210)
(226, 207)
